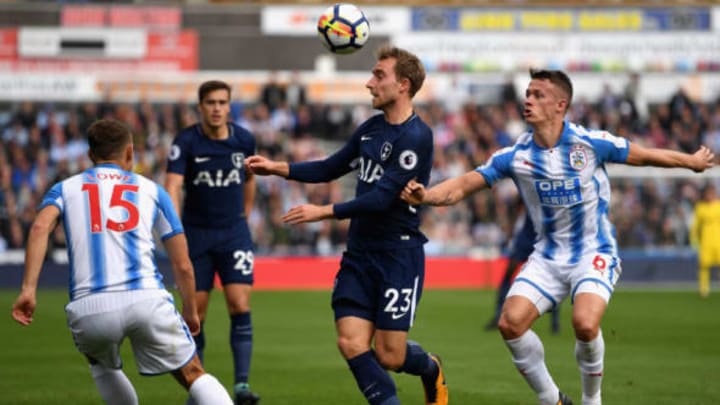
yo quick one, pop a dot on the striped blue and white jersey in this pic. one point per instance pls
(565, 188)
(108, 215)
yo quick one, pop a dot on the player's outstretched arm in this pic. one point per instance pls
(177, 250)
(174, 186)
(642, 156)
(308, 213)
(263, 166)
(37, 243)
(449, 192)
(250, 189)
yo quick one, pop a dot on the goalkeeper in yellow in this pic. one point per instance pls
(705, 235)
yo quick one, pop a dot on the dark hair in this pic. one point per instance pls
(212, 85)
(407, 66)
(708, 186)
(107, 139)
(556, 77)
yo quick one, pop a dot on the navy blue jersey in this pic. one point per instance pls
(214, 176)
(386, 157)
(523, 241)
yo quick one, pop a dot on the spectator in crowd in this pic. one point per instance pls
(272, 93)
(295, 91)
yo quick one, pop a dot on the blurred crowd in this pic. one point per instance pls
(43, 143)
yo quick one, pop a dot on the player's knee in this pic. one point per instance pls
(238, 304)
(511, 327)
(238, 308)
(508, 329)
(350, 347)
(390, 359)
(585, 329)
(238, 301)
(187, 375)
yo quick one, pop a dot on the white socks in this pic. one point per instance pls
(528, 355)
(114, 386)
(116, 389)
(207, 390)
(589, 356)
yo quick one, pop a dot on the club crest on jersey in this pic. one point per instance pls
(174, 152)
(408, 159)
(237, 159)
(385, 151)
(578, 157)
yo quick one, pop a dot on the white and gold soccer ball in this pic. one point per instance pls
(343, 28)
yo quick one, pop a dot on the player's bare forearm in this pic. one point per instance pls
(263, 166)
(37, 244)
(449, 192)
(308, 213)
(177, 250)
(699, 161)
(249, 191)
(174, 185)
(445, 193)
(35, 251)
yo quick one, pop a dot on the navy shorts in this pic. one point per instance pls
(225, 251)
(383, 287)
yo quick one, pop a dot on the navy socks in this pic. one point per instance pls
(373, 380)
(241, 344)
(417, 361)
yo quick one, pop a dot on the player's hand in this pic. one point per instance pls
(702, 159)
(263, 166)
(192, 320)
(257, 164)
(24, 308)
(307, 213)
(413, 193)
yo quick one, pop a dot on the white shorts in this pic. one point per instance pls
(160, 339)
(546, 283)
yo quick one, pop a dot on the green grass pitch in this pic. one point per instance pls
(661, 348)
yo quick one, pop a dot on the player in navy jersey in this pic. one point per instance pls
(559, 168)
(116, 291)
(380, 280)
(521, 246)
(206, 160)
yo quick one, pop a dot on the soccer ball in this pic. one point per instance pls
(343, 28)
